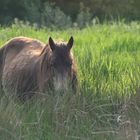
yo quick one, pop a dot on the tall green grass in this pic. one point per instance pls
(108, 63)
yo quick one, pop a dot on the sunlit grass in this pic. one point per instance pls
(108, 63)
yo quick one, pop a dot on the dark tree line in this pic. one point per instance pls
(129, 9)
(43, 12)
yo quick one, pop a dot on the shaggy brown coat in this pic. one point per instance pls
(27, 66)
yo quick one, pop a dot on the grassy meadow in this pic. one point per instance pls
(108, 107)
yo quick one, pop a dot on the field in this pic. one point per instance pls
(108, 107)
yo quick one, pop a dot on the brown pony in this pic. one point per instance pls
(28, 66)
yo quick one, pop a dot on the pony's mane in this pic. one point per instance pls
(60, 42)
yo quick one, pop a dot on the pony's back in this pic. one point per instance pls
(1, 66)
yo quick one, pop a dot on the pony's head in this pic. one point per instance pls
(61, 63)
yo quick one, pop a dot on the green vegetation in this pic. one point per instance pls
(108, 62)
(62, 13)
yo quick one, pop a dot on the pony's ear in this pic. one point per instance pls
(70, 43)
(52, 44)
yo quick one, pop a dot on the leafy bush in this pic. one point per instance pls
(52, 16)
(34, 11)
(84, 16)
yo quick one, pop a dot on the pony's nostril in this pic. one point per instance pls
(60, 82)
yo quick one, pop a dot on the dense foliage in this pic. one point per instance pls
(62, 13)
(103, 8)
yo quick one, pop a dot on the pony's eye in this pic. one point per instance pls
(53, 64)
(69, 64)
